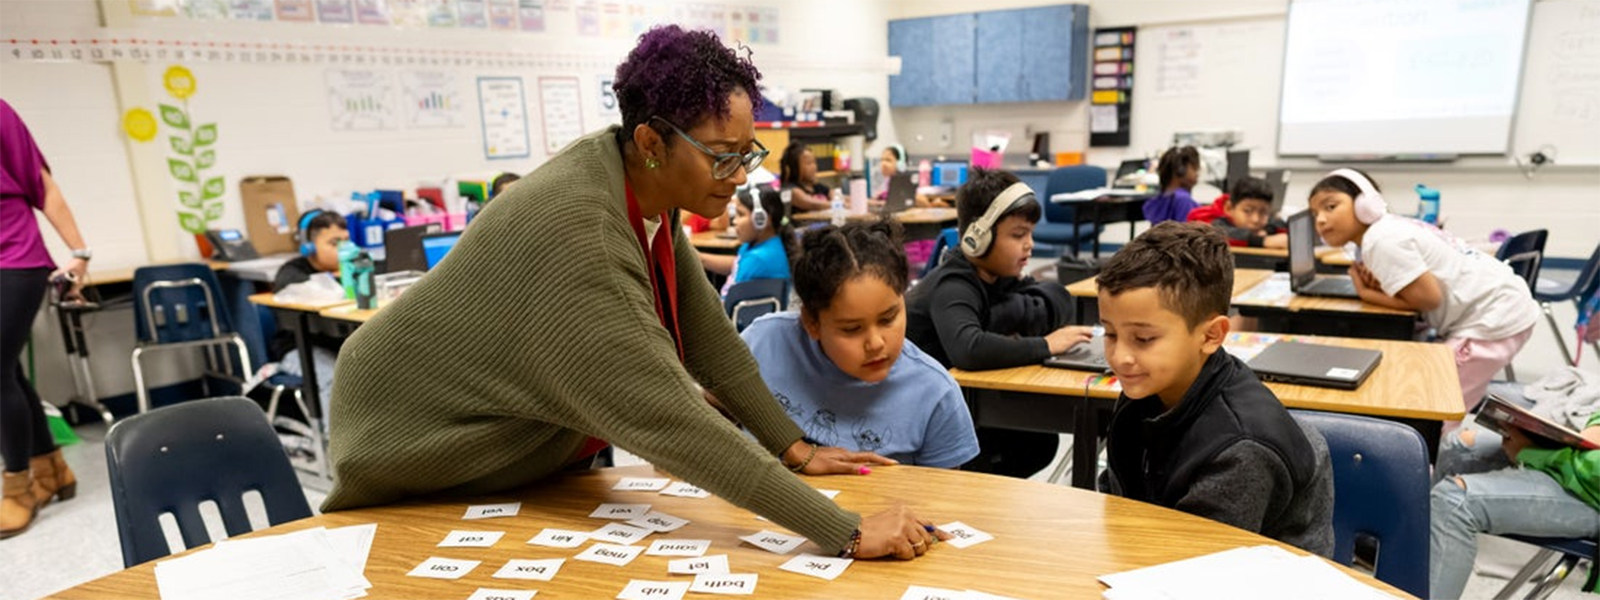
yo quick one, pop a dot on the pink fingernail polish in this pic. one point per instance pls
(865, 471)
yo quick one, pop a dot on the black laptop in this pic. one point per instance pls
(902, 193)
(1303, 277)
(1087, 356)
(1315, 364)
(402, 248)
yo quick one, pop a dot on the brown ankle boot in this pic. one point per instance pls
(52, 479)
(17, 506)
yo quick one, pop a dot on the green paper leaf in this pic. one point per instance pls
(181, 145)
(191, 222)
(174, 116)
(205, 135)
(214, 211)
(206, 159)
(213, 188)
(181, 170)
(188, 199)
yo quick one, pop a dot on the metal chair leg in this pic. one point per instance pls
(1064, 469)
(1553, 579)
(1511, 374)
(140, 393)
(1526, 573)
(1555, 328)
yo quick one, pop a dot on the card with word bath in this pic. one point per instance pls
(621, 512)
(640, 589)
(538, 570)
(734, 584)
(471, 539)
(641, 484)
(773, 542)
(611, 554)
(444, 568)
(821, 567)
(560, 538)
(491, 511)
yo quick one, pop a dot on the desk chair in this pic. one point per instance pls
(1569, 553)
(750, 299)
(1526, 266)
(947, 239)
(1381, 487)
(1056, 228)
(1527, 241)
(178, 306)
(173, 459)
(1582, 289)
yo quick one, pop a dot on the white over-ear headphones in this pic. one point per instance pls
(1369, 205)
(758, 213)
(981, 232)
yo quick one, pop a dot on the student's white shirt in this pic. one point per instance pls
(1482, 298)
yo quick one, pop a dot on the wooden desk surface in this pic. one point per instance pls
(1298, 302)
(1334, 256)
(348, 312)
(265, 299)
(910, 216)
(1243, 279)
(713, 240)
(1050, 541)
(1415, 380)
(125, 275)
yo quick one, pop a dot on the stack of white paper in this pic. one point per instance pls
(314, 563)
(1257, 572)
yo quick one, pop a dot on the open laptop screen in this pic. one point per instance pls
(434, 247)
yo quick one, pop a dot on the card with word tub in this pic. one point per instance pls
(678, 548)
(444, 568)
(640, 589)
(610, 554)
(493, 594)
(776, 543)
(560, 538)
(659, 522)
(821, 567)
(731, 584)
(492, 511)
(717, 563)
(620, 512)
(471, 539)
(641, 484)
(537, 570)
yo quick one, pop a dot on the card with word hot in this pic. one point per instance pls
(686, 490)
(641, 484)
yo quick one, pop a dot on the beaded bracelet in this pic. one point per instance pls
(802, 466)
(851, 546)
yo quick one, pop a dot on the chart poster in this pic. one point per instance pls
(562, 108)
(503, 109)
(360, 100)
(432, 99)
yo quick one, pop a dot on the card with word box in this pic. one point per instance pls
(539, 570)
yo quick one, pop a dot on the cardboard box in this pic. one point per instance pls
(270, 213)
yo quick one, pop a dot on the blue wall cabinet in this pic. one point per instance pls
(937, 60)
(1022, 55)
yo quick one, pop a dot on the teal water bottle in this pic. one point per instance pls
(1428, 207)
(348, 253)
(361, 280)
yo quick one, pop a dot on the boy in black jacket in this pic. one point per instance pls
(1194, 429)
(977, 310)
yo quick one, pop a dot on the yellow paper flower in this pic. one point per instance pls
(179, 81)
(140, 124)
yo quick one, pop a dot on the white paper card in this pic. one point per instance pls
(540, 570)
(741, 584)
(831, 494)
(678, 548)
(641, 484)
(694, 566)
(443, 568)
(619, 533)
(659, 522)
(490, 511)
(471, 539)
(640, 589)
(773, 542)
(620, 511)
(822, 567)
(492, 594)
(685, 490)
(917, 592)
(963, 535)
(611, 554)
(560, 538)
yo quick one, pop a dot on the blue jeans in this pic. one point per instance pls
(1498, 498)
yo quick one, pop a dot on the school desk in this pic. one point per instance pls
(1049, 541)
(1086, 294)
(302, 320)
(1330, 260)
(1116, 206)
(1316, 315)
(1415, 384)
(714, 242)
(920, 223)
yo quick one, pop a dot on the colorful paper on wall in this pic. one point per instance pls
(335, 11)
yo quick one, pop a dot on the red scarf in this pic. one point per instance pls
(662, 265)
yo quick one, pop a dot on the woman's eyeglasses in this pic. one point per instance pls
(724, 164)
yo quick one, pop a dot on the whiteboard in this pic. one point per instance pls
(1229, 73)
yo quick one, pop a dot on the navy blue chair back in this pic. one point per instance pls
(1527, 241)
(1587, 283)
(172, 459)
(748, 300)
(1069, 179)
(949, 238)
(1380, 493)
(178, 303)
(1526, 266)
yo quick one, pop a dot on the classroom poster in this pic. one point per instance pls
(335, 11)
(441, 13)
(503, 110)
(408, 13)
(588, 16)
(613, 20)
(360, 100)
(207, 9)
(558, 5)
(154, 8)
(561, 105)
(294, 10)
(372, 12)
(250, 10)
(531, 14)
(503, 15)
(643, 16)
(473, 14)
(1178, 63)
(432, 99)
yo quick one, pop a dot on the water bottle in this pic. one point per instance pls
(348, 253)
(924, 172)
(836, 207)
(1428, 207)
(361, 280)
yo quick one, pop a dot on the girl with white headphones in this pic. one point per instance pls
(767, 240)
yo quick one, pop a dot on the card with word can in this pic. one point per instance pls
(444, 568)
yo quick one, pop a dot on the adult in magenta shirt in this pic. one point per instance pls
(35, 473)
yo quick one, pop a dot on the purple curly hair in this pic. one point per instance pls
(682, 76)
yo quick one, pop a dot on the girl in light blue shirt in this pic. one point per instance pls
(766, 239)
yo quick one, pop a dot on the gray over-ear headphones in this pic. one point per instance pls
(980, 234)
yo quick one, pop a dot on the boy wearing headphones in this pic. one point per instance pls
(319, 235)
(1194, 429)
(1482, 309)
(977, 310)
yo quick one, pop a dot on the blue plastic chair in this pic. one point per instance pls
(1570, 553)
(947, 239)
(1056, 229)
(172, 459)
(1584, 288)
(1519, 245)
(747, 301)
(179, 306)
(1381, 487)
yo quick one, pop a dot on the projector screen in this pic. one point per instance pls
(1401, 78)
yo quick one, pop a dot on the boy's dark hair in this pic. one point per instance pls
(1175, 163)
(789, 164)
(501, 182)
(981, 188)
(830, 256)
(324, 220)
(777, 217)
(682, 76)
(1334, 183)
(1250, 188)
(1188, 264)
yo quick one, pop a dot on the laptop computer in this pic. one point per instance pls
(1238, 168)
(402, 248)
(434, 246)
(1087, 356)
(1128, 167)
(1315, 364)
(1303, 277)
(902, 193)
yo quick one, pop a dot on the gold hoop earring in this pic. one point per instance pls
(651, 163)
